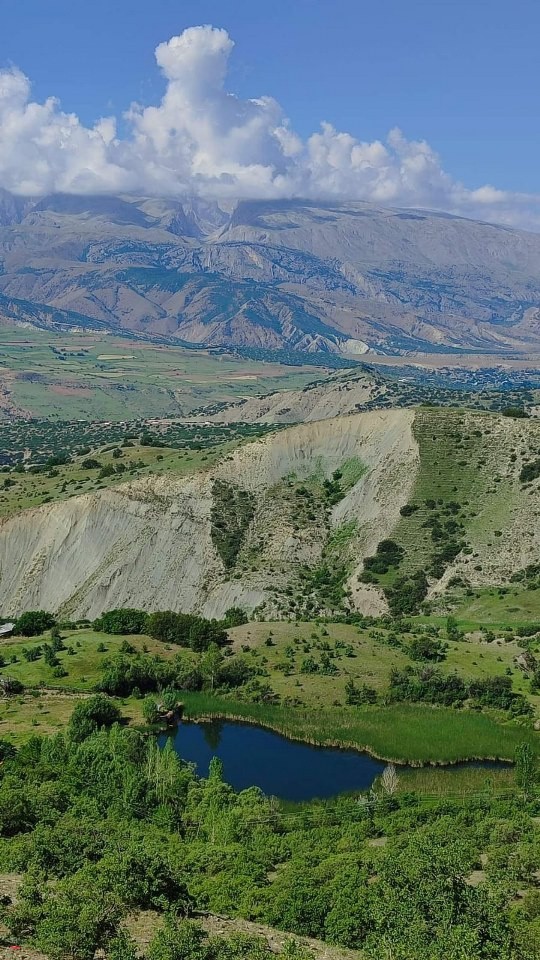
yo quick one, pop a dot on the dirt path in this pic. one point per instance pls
(142, 928)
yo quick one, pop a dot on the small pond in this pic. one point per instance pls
(253, 756)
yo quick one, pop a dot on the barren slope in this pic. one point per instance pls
(152, 543)
(341, 393)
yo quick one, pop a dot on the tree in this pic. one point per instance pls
(33, 623)
(186, 630)
(10, 686)
(389, 779)
(356, 696)
(526, 767)
(452, 630)
(517, 413)
(90, 715)
(106, 471)
(235, 617)
(123, 620)
(211, 664)
(49, 656)
(150, 710)
(426, 649)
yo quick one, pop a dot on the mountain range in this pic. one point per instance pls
(342, 278)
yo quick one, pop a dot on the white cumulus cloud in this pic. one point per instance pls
(201, 139)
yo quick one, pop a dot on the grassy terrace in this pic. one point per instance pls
(456, 466)
(24, 490)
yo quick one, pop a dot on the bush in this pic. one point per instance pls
(357, 696)
(530, 471)
(90, 715)
(106, 471)
(235, 617)
(426, 648)
(427, 685)
(517, 413)
(234, 673)
(186, 630)
(34, 623)
(123, 620)
(407, 593)
(408, 509)
(389, 554)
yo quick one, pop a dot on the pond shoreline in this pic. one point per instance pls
(208, 717)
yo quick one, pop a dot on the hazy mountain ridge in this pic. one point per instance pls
(278, 275)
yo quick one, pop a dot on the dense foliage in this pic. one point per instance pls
(125, 620)
(34, 623)
(428, 685)
(233, 510)
(107, 824)
(185, 629)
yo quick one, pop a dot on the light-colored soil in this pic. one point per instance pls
(143, 926)
(149, 543)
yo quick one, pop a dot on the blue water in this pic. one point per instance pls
(253, 756)
(283, 768)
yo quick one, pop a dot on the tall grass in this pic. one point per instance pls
(404, 733)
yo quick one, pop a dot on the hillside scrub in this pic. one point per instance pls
(232, 512)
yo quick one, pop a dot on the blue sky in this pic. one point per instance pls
(463, 75)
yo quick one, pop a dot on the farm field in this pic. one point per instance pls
(95, 377)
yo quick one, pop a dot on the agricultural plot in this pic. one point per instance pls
(94, 377)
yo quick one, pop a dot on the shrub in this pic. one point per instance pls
(123, 620)
(234, 673)
(427, 685)
(530, 471)
(388, 554)
(517, 413)
(408, 509)
(426, 648)
(406, 594)
(33, 623)
(90, 715)
(107, 471)
(356, 696)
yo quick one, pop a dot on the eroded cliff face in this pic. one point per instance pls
(150, 543)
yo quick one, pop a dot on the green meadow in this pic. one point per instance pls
(97, 377)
